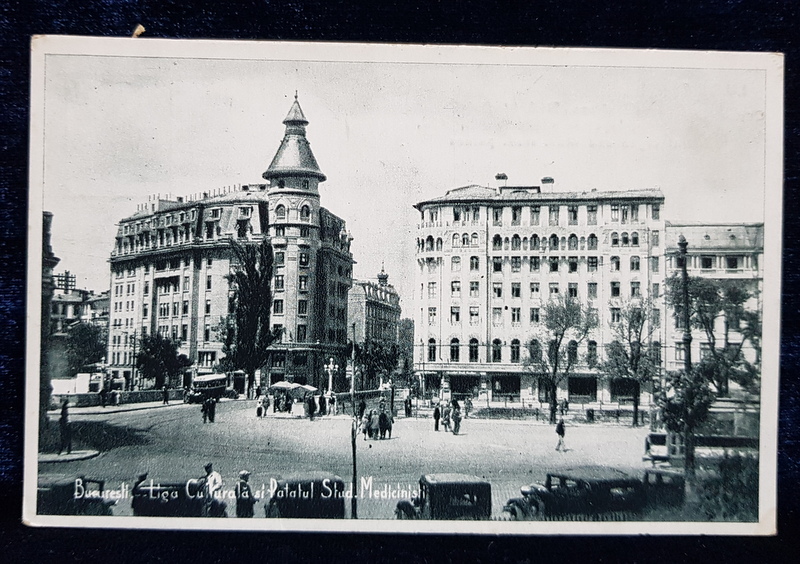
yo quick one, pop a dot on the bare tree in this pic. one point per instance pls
(565, 325)
(631, 356)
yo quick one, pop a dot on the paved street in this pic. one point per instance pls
(172, 444)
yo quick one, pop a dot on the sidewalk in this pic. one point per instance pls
(52, 457)
(97, 409)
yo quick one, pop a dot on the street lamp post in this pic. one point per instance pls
(353, 428)
(330, 368)
(687, 331)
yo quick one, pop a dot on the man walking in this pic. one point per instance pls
(212, 484)
(560, 431)
(244, 496)
(436, 416)
(66, 432)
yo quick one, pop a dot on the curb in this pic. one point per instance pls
(51, 458)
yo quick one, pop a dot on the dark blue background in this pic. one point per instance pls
(768, 25)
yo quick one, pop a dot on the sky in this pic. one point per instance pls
(388, 134)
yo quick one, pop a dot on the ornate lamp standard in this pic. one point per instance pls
(330, 368)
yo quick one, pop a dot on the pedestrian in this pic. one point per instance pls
(103, 396)
(323, 407)
(374, 424)
(456, 418)
(437, 414)
(115, 397)
(204, 410)
(165, 394)
(467, 407)
(212, 409)
(245, 500)
(65, 431)
(365, 424)
(312, 406)
(383, 423)
(446, 418)
(362, 407)
(333, 405)
(212, 485)
(259, 408)
(560, 431)
(265, 402)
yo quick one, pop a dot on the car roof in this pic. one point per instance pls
(452, 478)
(592, 474)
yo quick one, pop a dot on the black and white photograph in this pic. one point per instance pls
(402, 288)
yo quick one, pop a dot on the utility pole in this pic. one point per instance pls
(687, 330)
(691, 499)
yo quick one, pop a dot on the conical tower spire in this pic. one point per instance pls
(294, 156)
(383, 278)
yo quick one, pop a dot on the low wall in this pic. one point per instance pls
(93, 398)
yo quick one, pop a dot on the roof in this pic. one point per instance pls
(593, 474)
(294, 156)
(484, 194)
(716, 236)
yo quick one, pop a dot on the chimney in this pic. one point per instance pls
(548, 183)
(501, 176)
(180, 199)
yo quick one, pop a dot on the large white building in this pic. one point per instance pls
(488, 258)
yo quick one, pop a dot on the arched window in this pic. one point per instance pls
(591, 356)
(305, 213)
(614, 263)
(625, 240)
(497, 355)
(572, 352)
(439, 244)
(634, 239)
(474, 239)
(572, 243)
(280, 212)
(535, 350)
(474, 263)
(516, 243)
(473, 350)
(615, 239)
(554, 242)
(534, 242)
(454, 350)
(506, 243)
(455, 264)
(465, 240)
(591, 242)
(431, 350)
(497, 243)
(455, 239)
(429, 243)
(515, 350)
(634, 264)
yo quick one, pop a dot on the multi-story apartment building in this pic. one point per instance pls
(373, 310)
(722, 252)
(488, 259)
(170, 264)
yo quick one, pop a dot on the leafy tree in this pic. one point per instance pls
(631, 356)
(372, 359)
(158, 359)
(247, 332)
(720, 303)
(85, 344)
(405, 342)
(565, 325)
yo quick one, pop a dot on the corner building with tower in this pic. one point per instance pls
(171, 259)
(489, 258)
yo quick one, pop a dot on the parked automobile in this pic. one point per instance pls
(152, 498)
(58, 494)
(448, 497)
(664, 486)
(593, 492)
(310, 495)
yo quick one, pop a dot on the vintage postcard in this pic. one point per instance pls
(401, 288)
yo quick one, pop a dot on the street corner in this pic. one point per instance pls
(74, 456)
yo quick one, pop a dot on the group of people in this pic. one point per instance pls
(208, 408)
(211, 486)
(450, 413)
(375, 423)
(104, 396)
(283, 402)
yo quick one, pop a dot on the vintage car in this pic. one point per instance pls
(448, 497)
(588, 492)
(152, 498)
(58, 494)
(664, 486)
(310, 495)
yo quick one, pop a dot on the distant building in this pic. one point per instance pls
(171, 259)
(489, 259)
(373, 310)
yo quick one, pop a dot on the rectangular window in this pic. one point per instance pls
(456, 214)
(184, 332)
(624, 208)
(455, 264)
(591, 215)
(655, 211)
(553, 264)
(302, 307)
(279, 258)
(707, 262)
(304, 260)
(553, 288)
(474, 315)
(207, 333)
(516, 291)
(208, 282)
(615, 289)
(656, 317)
(302, 283)
(497, 264)
(634, 213)
(145, 310)
(431, 316)
(474, 289)
(654, 264)
(516, 214)
(614, 212)
(591, 264)
(279, 281)
(636, 289)
(301, 333)
(146, 289)
(654, 238)
(732, 263)
(497, 316)
(656, 290)
(516, 315)
(431, 289)
(534, 315)
(185, 283)
(592, 289)
(616, 315)
(455, 315)
(554, 214)
(572, 215)
(573, 289)
(455, 288)
(277, 307)
(474, 263)
(497, 216)
(516, 264)
(185, 310)
(497, 289)
(534, 289)
(573, 264)
(535, 264)
(535, 211)
(679, 351)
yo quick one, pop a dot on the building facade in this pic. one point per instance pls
(373, 310)
(171, 259)
(489, 258)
